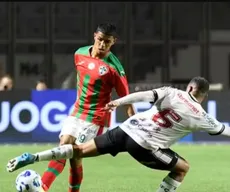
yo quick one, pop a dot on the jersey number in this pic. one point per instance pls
(164, 118)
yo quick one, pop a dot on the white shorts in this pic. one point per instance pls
(82, 130)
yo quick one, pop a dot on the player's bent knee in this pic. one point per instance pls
(67, 139)
(181, 167)
(186, 166)
(179, 171)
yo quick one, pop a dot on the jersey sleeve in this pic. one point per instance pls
(75, 56)
(121, 84)
(159, 93)
(210, 124)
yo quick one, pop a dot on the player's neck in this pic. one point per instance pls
(196, 98)
(200, 100)
(94, 54)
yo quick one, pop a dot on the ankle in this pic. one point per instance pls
(45, 188)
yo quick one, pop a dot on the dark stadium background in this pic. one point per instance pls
(160, 43)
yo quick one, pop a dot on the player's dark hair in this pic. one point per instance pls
(201, 83)
(107, 29)
(40, 81)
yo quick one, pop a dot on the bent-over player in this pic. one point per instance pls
(147, 136)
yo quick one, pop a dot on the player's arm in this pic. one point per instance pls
(130, 110)
(225, 131)
(141, 96)
(122, 89)
(213, 126)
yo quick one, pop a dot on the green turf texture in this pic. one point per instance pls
(209, 171)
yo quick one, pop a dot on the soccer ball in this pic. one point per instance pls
(28, 181)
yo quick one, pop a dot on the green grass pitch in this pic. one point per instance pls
(209, 171)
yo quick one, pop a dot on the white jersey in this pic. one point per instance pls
(174, 115)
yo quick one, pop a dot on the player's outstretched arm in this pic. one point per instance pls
(213, 126)
(225, 131)
(147, 96)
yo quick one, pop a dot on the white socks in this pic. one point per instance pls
(168, 185)
(61, 152)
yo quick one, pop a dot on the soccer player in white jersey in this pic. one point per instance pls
(146, 136)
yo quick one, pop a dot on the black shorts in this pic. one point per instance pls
(116, 141)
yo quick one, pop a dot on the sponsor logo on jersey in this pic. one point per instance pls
(134, 122)
(103, 70)
(91, 66)
(209, 120)
(81, 62)
(143, 119)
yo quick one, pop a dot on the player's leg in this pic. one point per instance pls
(162, 159)
(112, 142)
(176, 176)
(55, 167)
(75, 175)
(89, 132)
(67, 136)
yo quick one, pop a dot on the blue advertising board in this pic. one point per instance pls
(36, 116)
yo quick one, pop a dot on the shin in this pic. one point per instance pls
(171, 182)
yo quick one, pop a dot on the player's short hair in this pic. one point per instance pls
(107, 29)
(201, 83)
(40, 81)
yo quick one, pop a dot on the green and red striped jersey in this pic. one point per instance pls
(95, 80)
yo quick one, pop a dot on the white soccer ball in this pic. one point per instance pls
(28, 181)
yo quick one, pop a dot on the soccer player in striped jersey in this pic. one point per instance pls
(98, 72)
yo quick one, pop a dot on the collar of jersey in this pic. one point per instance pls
(108, 54)
(102, 58)
(193, 98)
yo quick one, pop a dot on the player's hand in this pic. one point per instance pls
(111, 106)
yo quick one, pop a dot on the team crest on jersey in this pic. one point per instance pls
(103, 70)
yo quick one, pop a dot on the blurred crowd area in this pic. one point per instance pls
(159, 42)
